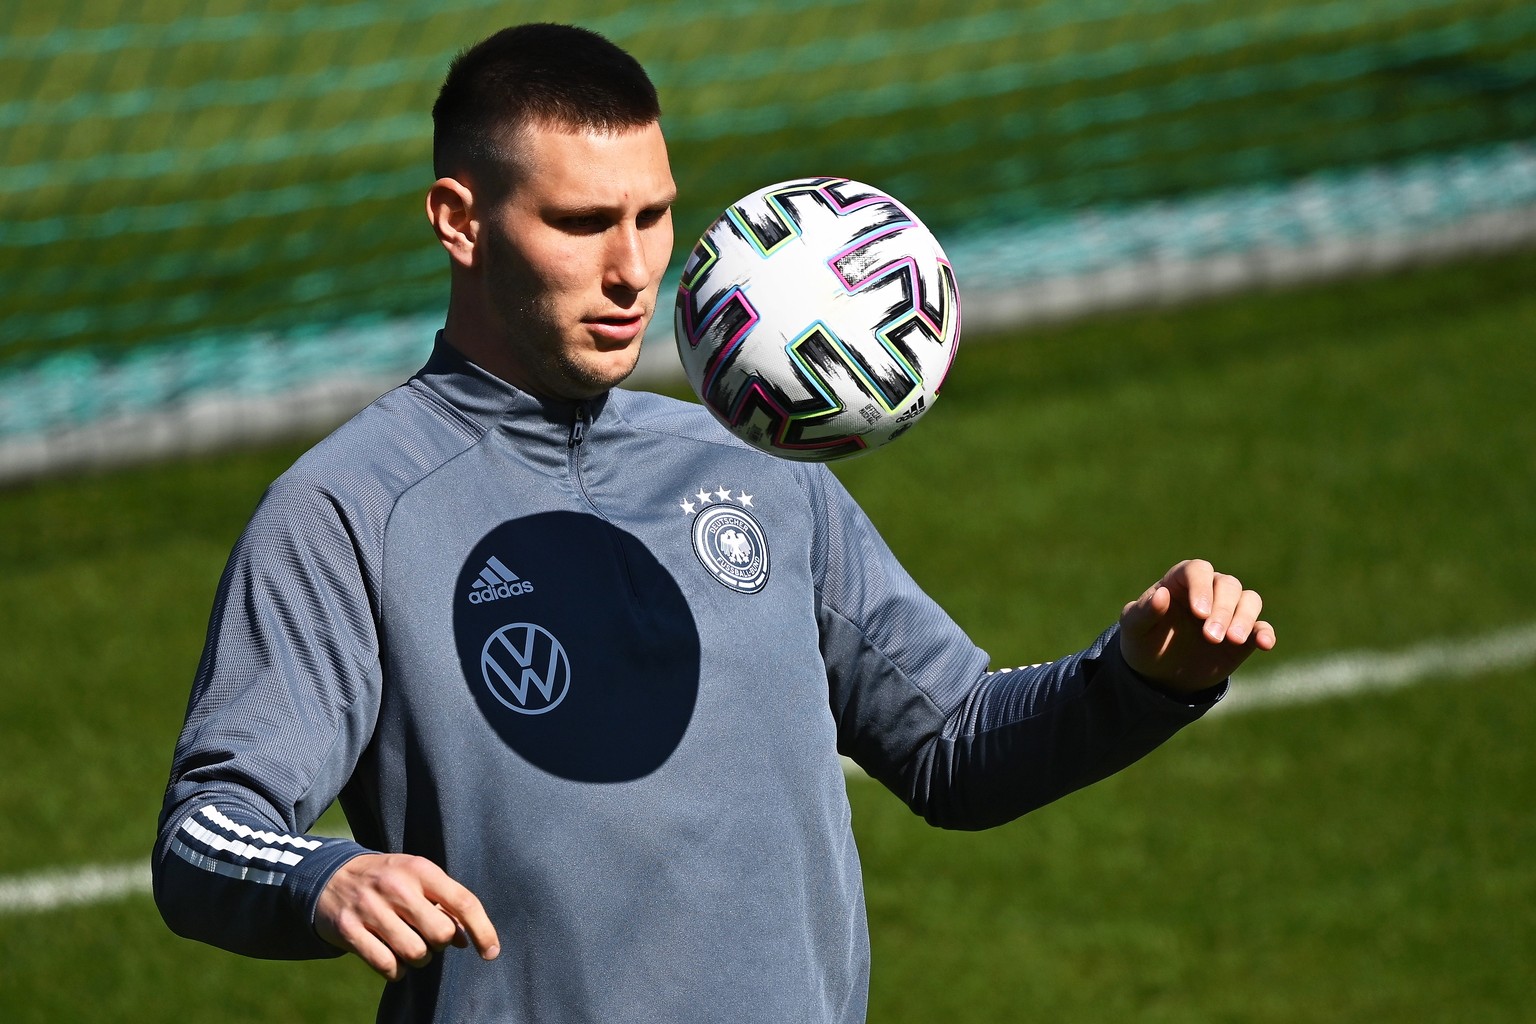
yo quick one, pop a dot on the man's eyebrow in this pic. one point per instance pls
(605, 209)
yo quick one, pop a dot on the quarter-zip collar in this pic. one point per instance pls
(541, 428)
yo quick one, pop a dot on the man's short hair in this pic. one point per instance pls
(527, 75)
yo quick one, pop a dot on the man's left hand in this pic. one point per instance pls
(1193, 628)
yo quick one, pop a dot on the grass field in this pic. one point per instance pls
(1365, 454)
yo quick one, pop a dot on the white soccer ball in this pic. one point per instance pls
(817, 318)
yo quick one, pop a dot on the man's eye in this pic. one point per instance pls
(582, 222)
(649, 217)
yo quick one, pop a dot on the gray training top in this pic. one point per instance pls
(596, 661)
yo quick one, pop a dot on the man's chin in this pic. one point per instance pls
(600, 371)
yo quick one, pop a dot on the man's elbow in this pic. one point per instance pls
(956, 786)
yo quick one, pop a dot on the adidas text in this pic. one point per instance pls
(501, 590)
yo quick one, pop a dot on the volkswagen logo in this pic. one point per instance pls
(525, 668)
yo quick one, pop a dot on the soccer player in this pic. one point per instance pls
(591, 774)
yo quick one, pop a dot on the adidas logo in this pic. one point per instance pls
(914, 412)
(496, 581)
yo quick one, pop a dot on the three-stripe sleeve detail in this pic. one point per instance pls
(211, 841)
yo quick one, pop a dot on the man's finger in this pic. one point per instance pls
(460, 938)
(1143, 614)
(466, 910)
(1244, 616)
(406, 943)
(1191, 581)
(435, 925)
(1226, 592)
(371, 950)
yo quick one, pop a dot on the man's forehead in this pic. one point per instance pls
(591, 164)
(559, 138)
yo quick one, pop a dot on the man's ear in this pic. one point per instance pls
(454, 218)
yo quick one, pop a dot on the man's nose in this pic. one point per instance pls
(627, 268)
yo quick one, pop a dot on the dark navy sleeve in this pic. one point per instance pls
(918, 707)
(283, 703)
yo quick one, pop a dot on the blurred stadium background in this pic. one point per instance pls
(211, 239)
(211, 209)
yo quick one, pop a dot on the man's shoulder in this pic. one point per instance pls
(687, 421)
(384, 449)
(647, 410)
(692, 425)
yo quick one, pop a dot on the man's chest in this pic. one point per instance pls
(598, 624)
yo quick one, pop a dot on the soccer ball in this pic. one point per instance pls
(817, 319)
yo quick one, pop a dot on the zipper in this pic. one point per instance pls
(573, 449)
(579, 426)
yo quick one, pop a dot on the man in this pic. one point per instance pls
(475, 614)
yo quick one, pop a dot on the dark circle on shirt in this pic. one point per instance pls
(577, 645)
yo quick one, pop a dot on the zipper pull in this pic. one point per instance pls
(579, 427)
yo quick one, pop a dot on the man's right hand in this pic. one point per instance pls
(395, 911)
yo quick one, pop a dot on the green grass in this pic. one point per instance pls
(108, 581)
(1364, 860)
(1364, 453)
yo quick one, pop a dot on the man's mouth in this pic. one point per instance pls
(620, 329)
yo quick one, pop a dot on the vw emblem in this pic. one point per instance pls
(732, 547)
(525, 668)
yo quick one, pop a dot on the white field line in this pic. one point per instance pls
(50, 890)
(1358, 671)
(1303, 682)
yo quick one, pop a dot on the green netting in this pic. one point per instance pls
(197, 173)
